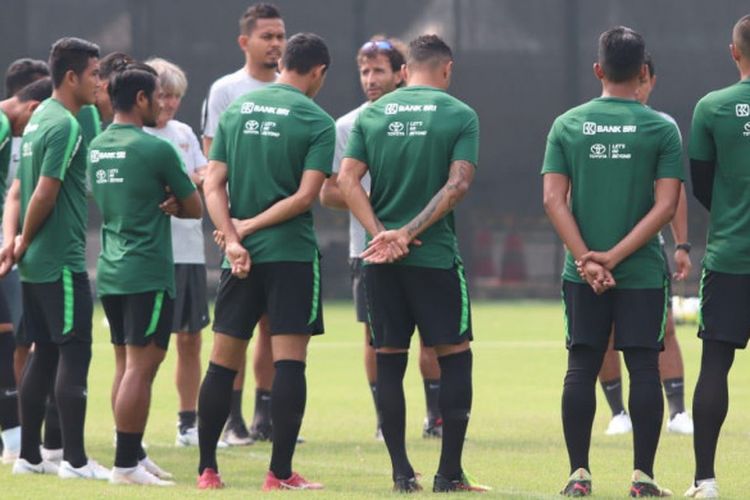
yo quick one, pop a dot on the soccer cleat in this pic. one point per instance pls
(11, 441)
(406, 485)
(681, 424)
(442, 484)
(154, 469)
(578, 485)
(188, 437)
(23, 466)
(261, 432)
(136, 475)
(707, 488)
(620, 424)
(645, 486)
(294, 482)
(91, 470)
(236, 434)
(210, 480)
(432, 428)
(54, 455)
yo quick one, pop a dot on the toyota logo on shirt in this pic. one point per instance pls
(598, 149)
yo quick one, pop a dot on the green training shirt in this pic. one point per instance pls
(52, 146)
(721, 134)
(613, 150)
(6, 138)
(408, 139)
(91, 123)
(130, 171)
(268, 138)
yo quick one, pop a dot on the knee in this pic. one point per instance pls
(643, 365)
(188, 344)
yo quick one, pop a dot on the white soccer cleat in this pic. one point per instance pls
(681, 424)
(154, 469)
(233, 438)
(92, 470)
(136, 475)
(620, 424)
(23, 466)
(51, 455)
(707, 488)
(187, 438)
(11, 445)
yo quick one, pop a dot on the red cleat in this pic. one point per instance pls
(294, 482)
(210, 480)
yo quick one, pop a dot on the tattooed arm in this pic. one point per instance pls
(393, 245)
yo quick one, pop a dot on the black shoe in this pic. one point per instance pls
(261, 431)
(432, 428)
(406, 485)
(236, 434)
(442, 484)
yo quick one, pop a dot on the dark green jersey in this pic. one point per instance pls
(6, 138)
(613, 150)
(52, 146)
(408, 139)
(91, 123)
(130, 171)
(721, 135)
(268, 138)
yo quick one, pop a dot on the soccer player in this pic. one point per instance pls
(262, 38)
(670, 360)
(15, 113)
(621, 162)
(131, 173)
(270, 155)
(45, 232)
(22, 72)
(719, 148)
(414, 282)
(379, 61)
(190, 304)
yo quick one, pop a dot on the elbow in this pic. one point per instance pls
(306, 200)
(550, 201)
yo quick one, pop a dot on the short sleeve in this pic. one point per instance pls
(173, 171)
(555, 161)
(322, 144)
(467, 144)
(701, 145)
(215, 105)
(355, 146)
(342, 136)
(670, 155)
(194, 154)
(61, 144)
(218, 150)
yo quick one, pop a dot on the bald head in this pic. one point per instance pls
(741, 36)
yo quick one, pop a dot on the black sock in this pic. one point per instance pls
(235, 408)
(674, 389)
(391, 369)
(214, 401)
(52, 433)
(71, 395)
(613, 391)
(8, 390)
(38, 378)
(374, 392)
(287, 409)
(262, 414)
(187, 420)
(710, 404)
(455, 407)
(646, 406)
(579, 403)
(128, 444)
(432, 398)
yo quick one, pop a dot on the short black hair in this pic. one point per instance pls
(70, 54)
(304, 51)
(649, 62)
(255, 12)
(36, 91)
(428, 49)
(22, 72)
(112, 62)
(622, 53)
(741, 35)
(124, 85)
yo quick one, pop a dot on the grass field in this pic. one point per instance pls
(515, 439)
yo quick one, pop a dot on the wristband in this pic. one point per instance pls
(684, 246)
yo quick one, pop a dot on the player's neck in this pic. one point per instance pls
(67, 99)
(128, 119)
(425, 80)
(626, 90)
(292, 79)
(260, 72)
(7, 107)
(744, 69)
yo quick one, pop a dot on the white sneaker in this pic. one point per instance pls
(707, 488)
(187, 438)
(23, 466)
(11, 445)
(620, 424)
(136, 475)
(233, 438)
(222, 444)
(51, 455)
(154, 469)
(681, 424)
(92, 470)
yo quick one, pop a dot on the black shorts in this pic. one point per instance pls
(725, 308)
(190, 302)
(139, 318)
(59, 311)
(638, 316)
(668, 272)
(401, 297)
(5, 316)
(11, 289)
(358, 288)
(288, 292)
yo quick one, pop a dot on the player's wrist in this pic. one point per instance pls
(685, 247)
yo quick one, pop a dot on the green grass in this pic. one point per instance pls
(515, 439)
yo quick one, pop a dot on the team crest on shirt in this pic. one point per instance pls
(742, 110)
